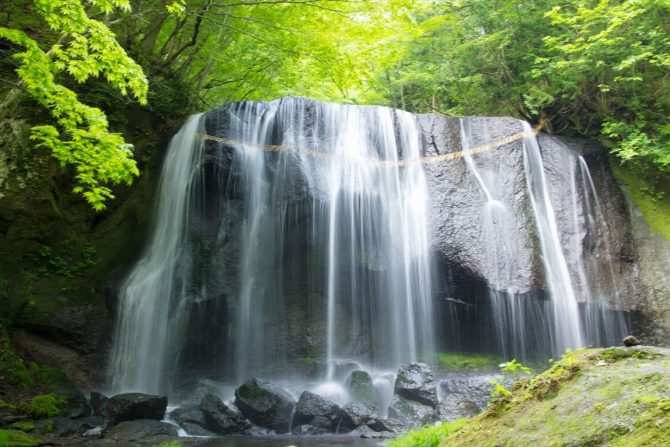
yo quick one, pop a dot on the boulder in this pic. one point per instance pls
(411, 413)
(265, 405)
(360, 386)
(99, 403)
(415, 382)
(631, 341)
(388, 425)
(366, 432)
(203, 388)
(356, 414)
(218, 417)
(130, 432)
(464, 395)
(317, 414)
(132, 406)
(77, 403)
(188, 413)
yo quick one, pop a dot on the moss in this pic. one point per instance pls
(46, 406)
(16, 438)
(26, 426)
(12, 369)
(616, 354)
(609, 397)
(648, 193)
(428, 436)
(467, 361)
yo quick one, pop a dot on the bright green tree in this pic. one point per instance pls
(82, 48)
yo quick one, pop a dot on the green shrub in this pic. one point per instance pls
(428, 436)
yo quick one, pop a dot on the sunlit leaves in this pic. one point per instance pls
(86, 49)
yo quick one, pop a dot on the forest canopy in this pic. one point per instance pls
(593, 68)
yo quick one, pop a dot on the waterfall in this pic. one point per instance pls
(567, 331)
(332, 248)
(292, 241)
(150, 317)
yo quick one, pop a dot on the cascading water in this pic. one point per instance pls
(339, 236)
(576, 312)
(295, 237)
(567, 331)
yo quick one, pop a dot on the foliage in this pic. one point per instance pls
(16, 438)
(84, 48)
(511, 369)
(12, 369)
(467, 361)
(428, 436)
(69, 258)
(596, 67)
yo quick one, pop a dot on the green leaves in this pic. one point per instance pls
(86, 49)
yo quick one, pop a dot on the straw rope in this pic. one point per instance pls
(382, 163)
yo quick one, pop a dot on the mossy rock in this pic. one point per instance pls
(361, 387)
(614, 397)
(17, 438)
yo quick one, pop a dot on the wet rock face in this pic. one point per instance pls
(218, 417)
(415, 382)
(265, 404)
(650, 301)
(356, 414)
(99, 403)
(132, 406)
(318, 414)
(410, 413)
(457, 198)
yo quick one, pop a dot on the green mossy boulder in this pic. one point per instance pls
(616, 397)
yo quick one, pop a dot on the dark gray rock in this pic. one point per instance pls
(366, 432)
(59, 427)
(411, 413)
(219, 418)
(205, 387)
(415, 382)
(77, 404)
(464, 395)
(188, 413)
(197, 430)
(132, 406)
(390, 425)
(265, 404)
(356, 414)
(319, 414)
(361, 387)
(138, 430)
(99, 403)
(631, 341)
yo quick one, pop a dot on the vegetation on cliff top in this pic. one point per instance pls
(596, 68)
(614, 397)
